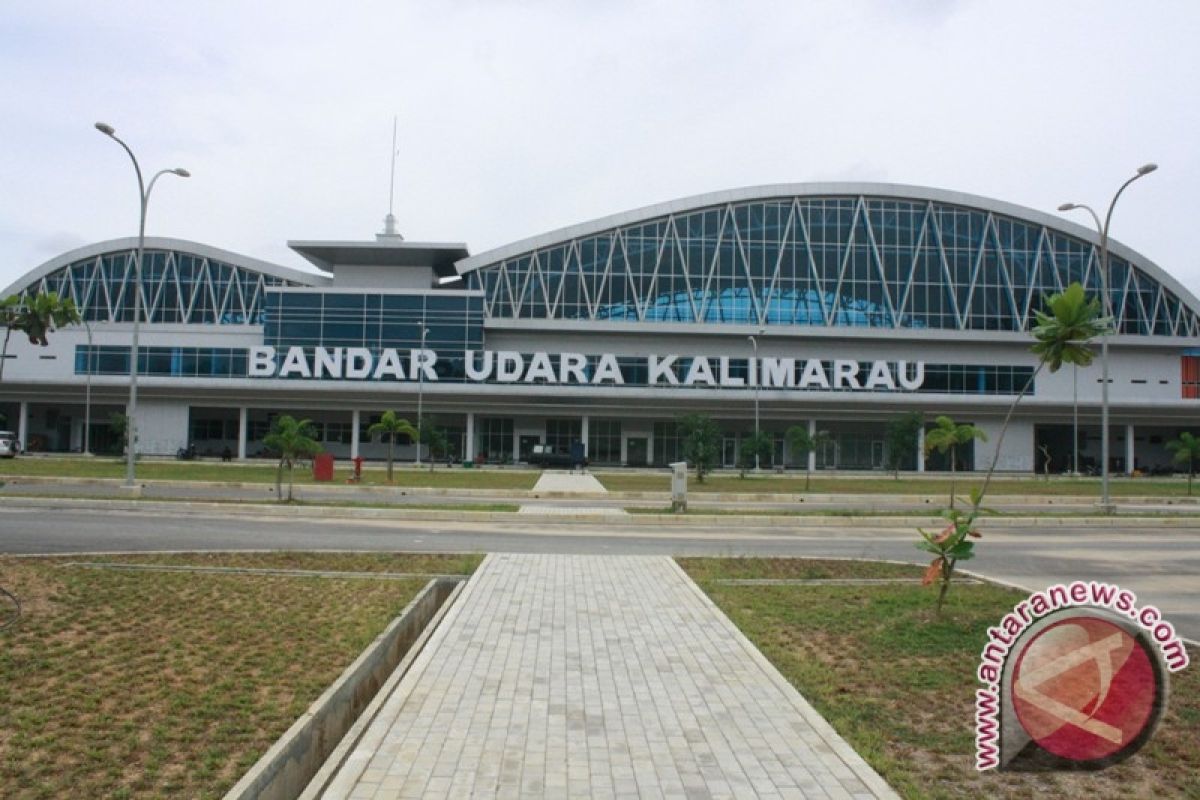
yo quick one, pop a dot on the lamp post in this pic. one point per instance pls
(754, 344)
(421, 395)
(87, 397)
(1075, 420)
(1106, 300)
(144, 190)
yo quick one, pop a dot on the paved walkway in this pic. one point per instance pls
(596, 676)
(569, 483)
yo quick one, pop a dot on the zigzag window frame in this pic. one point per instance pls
(895, 261)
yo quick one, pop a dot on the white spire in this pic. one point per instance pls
(389, 222)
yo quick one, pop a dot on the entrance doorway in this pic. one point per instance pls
(525, 446)
(635, 451)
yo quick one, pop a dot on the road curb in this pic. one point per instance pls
(608, 519)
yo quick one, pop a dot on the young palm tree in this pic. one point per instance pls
(390, 425)
(800, 443)
(293, 440)
(1186, 449)
(946, 435)
(35, 317)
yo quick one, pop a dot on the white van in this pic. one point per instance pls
(9, 446)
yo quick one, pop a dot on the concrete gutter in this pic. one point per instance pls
(399, 513)
(304, 750)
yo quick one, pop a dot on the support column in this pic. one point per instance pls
(650, 446)
(812, 454)
(624, 449)
(243, 430)
(1129, 450)
(355, 423)
(921, 448)
(469, 444)
(583, 435)
(516, 440)
(23, 424)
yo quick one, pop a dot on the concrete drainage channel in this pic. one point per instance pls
(303, 761)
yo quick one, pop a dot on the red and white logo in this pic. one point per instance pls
(1084, 688)
(1075, 676)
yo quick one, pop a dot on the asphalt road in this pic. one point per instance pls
(1161, 565)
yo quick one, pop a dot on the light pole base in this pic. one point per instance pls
(1107, 508)
(131, 491)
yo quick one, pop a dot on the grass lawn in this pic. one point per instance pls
(264, 472)
(166, 684)
(899, 685)
(793, 483)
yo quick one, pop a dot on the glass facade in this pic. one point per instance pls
(168, 362)
(176, 287)
(836, 261)
(336, 319)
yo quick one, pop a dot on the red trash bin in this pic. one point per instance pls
(323, 467)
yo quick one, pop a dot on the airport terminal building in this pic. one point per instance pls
(836, 306)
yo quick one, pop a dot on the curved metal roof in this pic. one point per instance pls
(839, 189)
(165, 243)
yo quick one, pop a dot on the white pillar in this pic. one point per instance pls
(650, 446)
(1129, 449)
(921, 448)
(812, 454)
(469, 444)
(23, 424)
(624, 449)
(516, 450)
(243, 431)
(355, 422)
(583, 434)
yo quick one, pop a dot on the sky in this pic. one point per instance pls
(516, 118)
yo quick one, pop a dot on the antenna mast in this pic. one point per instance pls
(389, 222)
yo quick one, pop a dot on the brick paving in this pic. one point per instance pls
(596, 676)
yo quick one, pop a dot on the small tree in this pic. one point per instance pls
(901, 438)
(1187, 450)
(35, 316)
(391, 426)
(800, 443)
(118, 423)
(436, 440)
(755, 445)
(945, 436)
(293, 439)
(700, 439)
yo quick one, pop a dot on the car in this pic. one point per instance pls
(545, 455)
(9, 446)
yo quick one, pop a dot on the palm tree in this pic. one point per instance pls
(946, 435)
(800, 443)
(1186, 448)
(293, 440)
(390, 425)
(35, 316)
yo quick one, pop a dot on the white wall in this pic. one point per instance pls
(1016, 452)
(162, 426)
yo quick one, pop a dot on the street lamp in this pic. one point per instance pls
(1103, 229)
(421, 394)
(754, 344)
(87, 397)
(144, 190)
